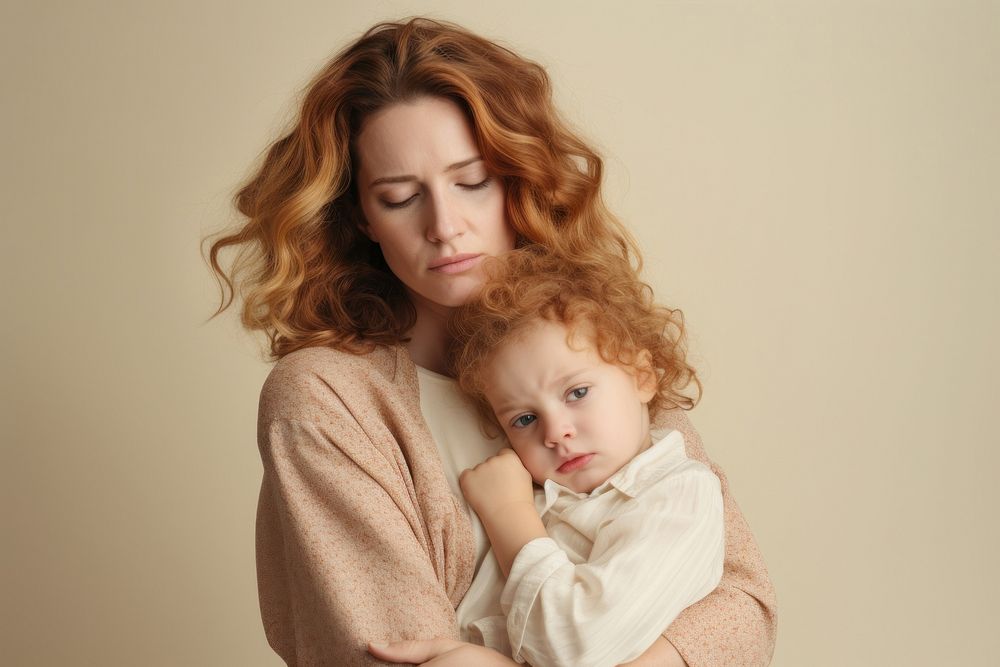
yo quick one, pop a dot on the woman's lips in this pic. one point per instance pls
(455, 263)
(575, 463)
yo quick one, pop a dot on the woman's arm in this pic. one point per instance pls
(736, 623)
(347, 550)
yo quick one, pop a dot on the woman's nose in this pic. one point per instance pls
(444, 222)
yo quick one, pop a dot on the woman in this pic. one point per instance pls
(420, 150)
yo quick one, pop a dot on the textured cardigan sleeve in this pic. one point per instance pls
(735, 624)
(358, 537)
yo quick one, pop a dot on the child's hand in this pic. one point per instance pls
(497, 482)
(499, 490)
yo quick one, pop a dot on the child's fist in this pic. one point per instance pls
(496, 482)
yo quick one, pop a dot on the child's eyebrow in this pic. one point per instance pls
(570, 378)
(505, 408)
(512, 405)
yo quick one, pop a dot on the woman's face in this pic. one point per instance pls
(428, 200)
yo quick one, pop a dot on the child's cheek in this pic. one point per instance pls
(537, 470)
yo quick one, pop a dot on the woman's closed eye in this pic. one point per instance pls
(402, 203)
(476, 186)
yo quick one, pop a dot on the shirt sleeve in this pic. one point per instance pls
(661, 554)
(342, 555)
(735, 625)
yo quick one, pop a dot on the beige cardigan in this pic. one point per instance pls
(359, 538)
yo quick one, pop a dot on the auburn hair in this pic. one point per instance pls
(593, 294)
(303, 270)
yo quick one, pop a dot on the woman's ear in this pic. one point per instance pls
(356, 214)
(365, 228)
(645, 376)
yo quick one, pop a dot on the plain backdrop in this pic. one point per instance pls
(816, 185)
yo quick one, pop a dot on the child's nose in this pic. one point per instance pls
(558, 433)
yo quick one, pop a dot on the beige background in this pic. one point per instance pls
(815, 183)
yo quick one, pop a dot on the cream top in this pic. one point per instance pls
(454, 426)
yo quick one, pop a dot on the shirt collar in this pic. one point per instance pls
(647, 468)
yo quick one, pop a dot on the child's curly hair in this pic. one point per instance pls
(601, 292)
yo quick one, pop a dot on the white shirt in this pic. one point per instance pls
(620, 563)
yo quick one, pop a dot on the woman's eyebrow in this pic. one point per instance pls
(463, 163)
(408, 177)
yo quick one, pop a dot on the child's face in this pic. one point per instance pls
(571, 416)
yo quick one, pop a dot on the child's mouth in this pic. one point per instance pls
(575, 463)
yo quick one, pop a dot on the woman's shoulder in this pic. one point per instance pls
(308, 382)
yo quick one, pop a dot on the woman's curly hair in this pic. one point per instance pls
(306, 274)
(593, 294)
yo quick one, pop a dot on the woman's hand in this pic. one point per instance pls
(661, 654)
(438, 653)
(452, 653)
(496, 483)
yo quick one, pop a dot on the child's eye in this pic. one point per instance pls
(523, 420)
(577, 394)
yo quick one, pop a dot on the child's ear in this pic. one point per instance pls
(645, 376)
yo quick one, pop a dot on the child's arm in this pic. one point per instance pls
(499, 490)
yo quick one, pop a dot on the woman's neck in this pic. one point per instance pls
(428, 344)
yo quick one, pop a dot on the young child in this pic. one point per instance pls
(572, 361)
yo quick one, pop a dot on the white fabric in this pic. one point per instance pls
(618, 566)
(454, 425)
